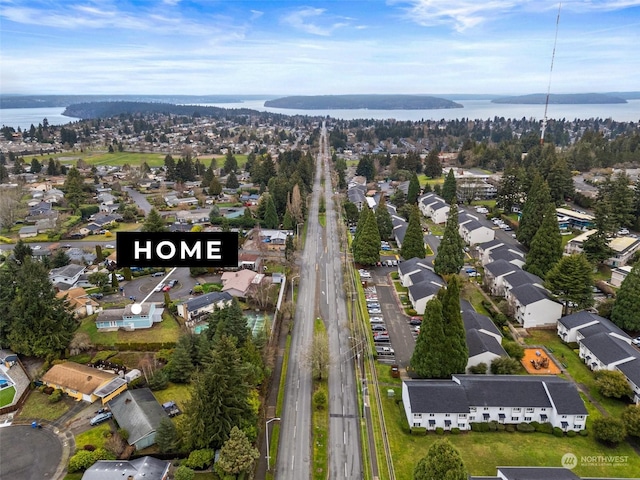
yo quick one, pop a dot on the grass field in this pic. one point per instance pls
(166, 331)
(482, 452)
(137, 158)
(38, 406)
(96, 436)
(6, 396)
(176, 392)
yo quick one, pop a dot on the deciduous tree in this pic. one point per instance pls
(612, 383)
(609, 430)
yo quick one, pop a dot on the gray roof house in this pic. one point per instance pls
(67, 275)
(139, 413)
(411, 266)
(421, 293)
(467, 399)
(484, 340)
(143, 468)
(583, 324)
(494, 274)
(472, 231)
(533, 306)
(204, 304)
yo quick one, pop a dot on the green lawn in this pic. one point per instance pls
(96, 436)
(575, 366)
(166, 331)
(6, 396)
(482, 452)
(38, 406)
(179, 393)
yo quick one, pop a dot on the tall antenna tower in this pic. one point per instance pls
(553, 56)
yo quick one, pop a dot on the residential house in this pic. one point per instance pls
(411, 266)
(623, 248)
(569, 327)
(139, 413)
(273, 239)
(250, 261)
(507, 399)
(53, 195)
(78, 255)
(65, 277)
(434, 207)
(237, 284)
(618, 275)
(474, 232)
(80, 303)
(572, 220)
(84, 383)
(173, 200)
(28, 231)
(116, 318)
(484, 340)
(143, 468)
(193, 216)
(518, 279)
(356, 195)
(399, 229)
(508, 253)
(533, 306)
(494, 274)
(196, 307)
(421, 293)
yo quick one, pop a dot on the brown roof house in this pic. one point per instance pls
(81, 304)
(239, 283)
(84, 383)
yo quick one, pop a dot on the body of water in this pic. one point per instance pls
(473, 109)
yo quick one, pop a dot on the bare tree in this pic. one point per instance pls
(296, 205)
(9, 206)
(262, 293)
(317, 357)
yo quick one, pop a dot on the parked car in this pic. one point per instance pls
(415, 321)
(381, 337)
(376, 320)
(157, 274)
(109, 245)
(171, 408)
(159, 288)
(373, 305)
(173, 283)
(374, 310)
(636, 341)
(119, 277)
(97, 295)
(378, 327)
(166, 288)
(385, 351)
(101, 417)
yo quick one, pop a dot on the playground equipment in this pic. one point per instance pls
(540, 362)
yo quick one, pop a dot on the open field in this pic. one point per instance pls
(482, 452)
(118, 159)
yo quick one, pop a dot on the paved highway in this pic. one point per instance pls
(345, 460)
(294, 450)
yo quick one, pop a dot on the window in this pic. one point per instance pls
(447, 415)
(432, 414)
(579, 417)
(527, 419)
(517, 409)
(472, 409)
(417, 415)
(501, 409)
(576, 427)
(416, 424)
(563, 416)
(472, 418)
(529, 410)
(462, 415)
(543, 409)
(514, 419)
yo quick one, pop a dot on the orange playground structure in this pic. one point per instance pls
(537, 361)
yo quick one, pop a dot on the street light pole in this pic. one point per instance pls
(266, 435)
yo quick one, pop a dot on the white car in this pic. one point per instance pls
(159, 288)
(36, 247)
(636, 341)
(108, 245)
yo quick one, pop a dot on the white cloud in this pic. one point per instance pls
(313, 21)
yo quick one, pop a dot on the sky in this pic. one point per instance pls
(282, 47)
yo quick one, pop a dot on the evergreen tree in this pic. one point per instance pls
(180, 367)
(413, 190)
(429, 355)
(362, 220)
(219, 399)
(560, 182)
(73, 188)
(167, 436)
(237, 455)
(154, 222)
(366, 167)
(449, 188)
(510, 192)
(413, 242)
(367, 249)
(270, 214)
(442, 462)
(230, 163)
(34, 321)
(626, 309)
(60, 259)
(383, 218)
(215, 187)
(450, 256)
(21, 251)
(432, 164)
(232, 181)
(533, 211)
(455, 333)
(230, 322)
(571, 280)
(546, 246)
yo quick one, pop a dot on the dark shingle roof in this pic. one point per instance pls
(507, 254)
(475, 320)
(537, 473)
(506, 390)
(138, 412)
(478, 343)
(608, 348)
(426, 275)
(437, 396)
(520, 277)
(500, 267)
(529, 294)
(604, 326)
(149, 468)
(566, 398)
(412, 264)
(423, 289)
(631, 370)
(579, 318)
(208, 299)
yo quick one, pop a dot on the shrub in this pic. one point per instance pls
(81, 461)
(478, 369)
(439, 431)
(184, 473)
(493, 426)
(48, 390)
(200, 459)
(56, 396)
(609, 430)
(320, 399)
(418, 430)
(514, 349)
(557, 432)
(501, 427)
(583, 433)
(545, 428)
(525, 428)
(123, 433)
(571, 433)
(612, 383)
(479, 427)
(455, 431)
(509, 428)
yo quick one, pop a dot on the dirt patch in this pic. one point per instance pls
(538, 362)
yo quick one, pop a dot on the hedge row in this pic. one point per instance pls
(523, 427)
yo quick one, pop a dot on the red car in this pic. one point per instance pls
(166, 288)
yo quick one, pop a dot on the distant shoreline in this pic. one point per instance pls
(355, 102)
